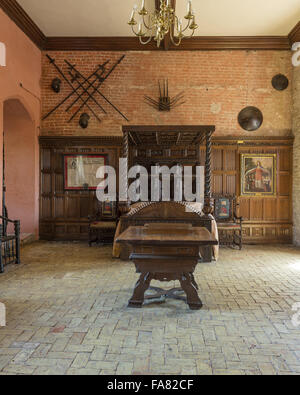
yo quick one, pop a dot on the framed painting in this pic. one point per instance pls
(80, 171)
(258, 174)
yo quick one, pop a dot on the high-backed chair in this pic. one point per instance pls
(230, 226)
(9, 243)
(103, 224)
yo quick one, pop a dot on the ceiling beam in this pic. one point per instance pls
(97, 44)
(23, 21)
(294, 35)
(193, 44)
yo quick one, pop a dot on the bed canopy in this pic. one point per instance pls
(168, 145)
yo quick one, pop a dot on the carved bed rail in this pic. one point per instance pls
(162, 212)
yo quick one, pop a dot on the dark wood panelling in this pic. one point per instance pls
(270, 206)
(230, 183)
(245, 208)
(64, 214)
(218, 160)
(77, 141)
(256, 209)
(266, 219)
(284, 184)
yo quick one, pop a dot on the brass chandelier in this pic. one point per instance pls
(161, 22)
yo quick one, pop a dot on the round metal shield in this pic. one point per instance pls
(250, 118)
(280, 82)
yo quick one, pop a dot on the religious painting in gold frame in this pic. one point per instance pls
(258, 174)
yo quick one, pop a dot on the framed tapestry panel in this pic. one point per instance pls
(80, 171)
(223, 209)
(109, 209)
(258, 174)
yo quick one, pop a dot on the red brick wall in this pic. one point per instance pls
(217, 85)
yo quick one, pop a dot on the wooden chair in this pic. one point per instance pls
(229, 224)
(9, 244)
(103, 224)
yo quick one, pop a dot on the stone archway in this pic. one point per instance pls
(20, 164)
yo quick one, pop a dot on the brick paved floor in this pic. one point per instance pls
(67, 314)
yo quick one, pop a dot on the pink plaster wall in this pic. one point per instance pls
(20, 164)
(23, 65)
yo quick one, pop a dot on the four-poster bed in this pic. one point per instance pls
(167, 145)
(166, 239)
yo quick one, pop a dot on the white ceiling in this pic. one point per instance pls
(214, 17)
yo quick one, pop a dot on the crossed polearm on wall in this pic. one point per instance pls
(85, 88)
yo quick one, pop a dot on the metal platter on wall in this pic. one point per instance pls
(250, 119)
(280, 82)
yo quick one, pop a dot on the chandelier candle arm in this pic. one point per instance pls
(132, 14)
(148, 26)
(162, 22)
(180, 26)
(189, 24)
(132, 21)
(147, 41)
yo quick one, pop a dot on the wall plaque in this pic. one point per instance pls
(81, 171)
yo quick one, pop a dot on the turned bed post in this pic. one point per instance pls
(124, 207)
(126, 149)
(208, 208)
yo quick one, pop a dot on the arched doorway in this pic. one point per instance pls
(20, 165)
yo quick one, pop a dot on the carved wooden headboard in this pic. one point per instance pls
(165, 210)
